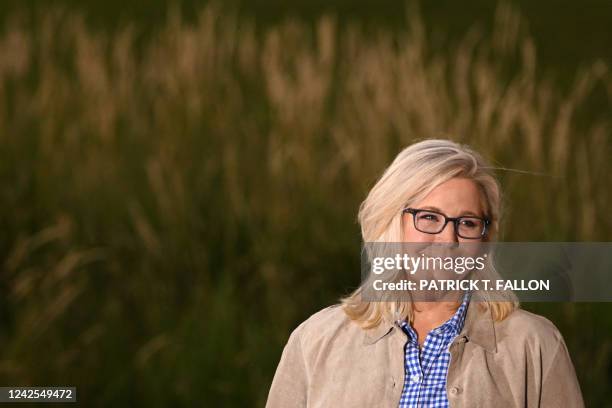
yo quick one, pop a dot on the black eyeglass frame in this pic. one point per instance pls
(455, 220)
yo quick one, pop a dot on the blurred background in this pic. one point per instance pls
(179, 181)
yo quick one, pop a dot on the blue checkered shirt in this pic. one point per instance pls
(425, 379)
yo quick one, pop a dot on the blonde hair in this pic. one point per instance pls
(414, 173)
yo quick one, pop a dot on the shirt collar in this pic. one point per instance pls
(456, 323)
(473, 322)
(451, 327)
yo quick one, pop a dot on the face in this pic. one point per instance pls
(454, 198)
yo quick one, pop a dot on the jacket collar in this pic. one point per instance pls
(478, 328)
(374, 334)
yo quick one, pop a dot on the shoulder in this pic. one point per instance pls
(522, 326)
(324, 323)
(534, 343)
(325, 329)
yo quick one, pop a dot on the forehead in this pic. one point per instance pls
(454, 197)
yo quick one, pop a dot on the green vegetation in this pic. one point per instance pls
(176, 203)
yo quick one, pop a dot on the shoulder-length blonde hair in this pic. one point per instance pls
(414, 173)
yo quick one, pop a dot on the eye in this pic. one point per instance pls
(469, 223)
(429, 217)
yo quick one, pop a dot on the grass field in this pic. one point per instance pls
(174, 204)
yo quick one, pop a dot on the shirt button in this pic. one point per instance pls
(455, 390)
(415, 378)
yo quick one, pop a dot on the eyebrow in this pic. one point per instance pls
(463, 213)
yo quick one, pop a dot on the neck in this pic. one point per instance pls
(444, 302)
(435, 308)
(429, 315)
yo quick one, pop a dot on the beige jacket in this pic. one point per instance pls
(329, 361)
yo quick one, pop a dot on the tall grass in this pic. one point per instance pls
(174, 204)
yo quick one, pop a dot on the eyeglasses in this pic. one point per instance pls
(433, 222)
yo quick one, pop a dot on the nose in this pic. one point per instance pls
(447, 234)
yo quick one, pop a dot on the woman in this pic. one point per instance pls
(437, 354)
